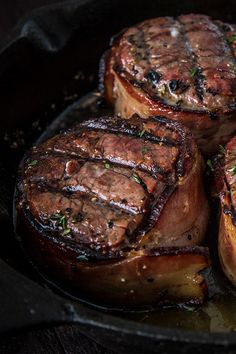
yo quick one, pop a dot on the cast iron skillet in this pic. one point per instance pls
(49, 61)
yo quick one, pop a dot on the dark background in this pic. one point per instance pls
(12, 10)
(63, 339)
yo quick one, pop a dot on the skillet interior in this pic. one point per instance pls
(33, 93)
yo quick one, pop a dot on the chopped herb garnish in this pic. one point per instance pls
(82, 258)
(107, 165)
(222, 149)
(232, 170)
(232, 38)
(33, 163)
(209, 164)
(144, 149)
(163, 89)
(189, 308)
(136, 178)
(65, 232)
(141, 133)
(193, 71)
(60, 220)
(56, 216)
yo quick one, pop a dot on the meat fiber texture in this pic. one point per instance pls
(116, 210)
(182, 68)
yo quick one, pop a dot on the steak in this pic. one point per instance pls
(183, 68)
(225, 177)
(115, 208)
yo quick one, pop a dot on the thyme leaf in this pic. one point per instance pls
(193, 72)
(163, 89)
(82, 258)
(232, 38)
(189, 308)
(210, 165)
(107, 165)
(60, 220)
(144, 149)
(136, 178)
(222, 149)
(141, 133)
(232, 170)
(66, 232)
(33, 163)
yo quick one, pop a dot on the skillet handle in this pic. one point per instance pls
(26, 304)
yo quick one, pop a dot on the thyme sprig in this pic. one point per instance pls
(61, 222)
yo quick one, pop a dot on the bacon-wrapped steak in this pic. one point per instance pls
(115, 209)
(225, 176)
(183, 68)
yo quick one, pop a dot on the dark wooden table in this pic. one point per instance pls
(63, 339)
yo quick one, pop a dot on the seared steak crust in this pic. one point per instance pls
(183, 68)
(113, 190)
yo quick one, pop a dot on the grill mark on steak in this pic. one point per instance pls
(100, 182)
(189, 59)
(127, 128)
(231, 44)
(115, 202)
(91, 149)
(141, 129)
(177, 42)
(185, 150)
(94, 179)
(155, 212)
(227, 36)
(212, 51)
(198, 77)
(88, 222)
(140, 168)
(124, 150)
